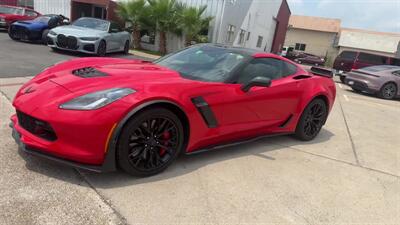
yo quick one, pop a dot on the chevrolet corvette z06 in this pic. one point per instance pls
(105, 113)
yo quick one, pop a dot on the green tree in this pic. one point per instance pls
(164, 14)
(192, 22)
(133, 11)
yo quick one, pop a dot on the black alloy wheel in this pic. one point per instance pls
(126, 48)
(102, 49)
(44, 36)
(388, 91)
(12, 34)
(312, 119)
(150, 142)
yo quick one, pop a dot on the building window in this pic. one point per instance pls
(248, 36)
(241, 36)
(231, 32)
(259, 41)
(301, 47)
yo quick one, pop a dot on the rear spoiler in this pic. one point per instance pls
(320, 71)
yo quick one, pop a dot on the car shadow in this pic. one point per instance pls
(184, 165)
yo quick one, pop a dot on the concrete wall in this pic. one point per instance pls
(53, 7)
(317, 42)
(341, 49)
(369, 41)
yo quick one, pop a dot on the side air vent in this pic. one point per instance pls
(88, 72)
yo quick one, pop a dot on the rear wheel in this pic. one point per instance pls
(44, 36)
(102, 49)
(356, 90)
(388, 91)
(150, 142)
(126, 48)
(311, 121)
(342, 79)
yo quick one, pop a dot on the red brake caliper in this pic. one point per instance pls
(165, 137)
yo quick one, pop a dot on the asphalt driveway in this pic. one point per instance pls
(350, 174)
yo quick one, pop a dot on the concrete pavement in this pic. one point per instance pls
(348, 174)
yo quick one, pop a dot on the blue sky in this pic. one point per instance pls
(378, 15)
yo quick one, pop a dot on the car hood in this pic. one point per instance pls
(107, 73)
(31, 24)
(78, 31)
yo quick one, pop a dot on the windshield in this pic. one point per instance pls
(205, 63)
(10, 10)
(42, 19)
(92, 24)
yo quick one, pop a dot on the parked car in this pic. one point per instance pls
(350, 60)
(91, 36)
(310, 59)
(10, 14)
(383, 80)
(97, 113)
(36, 29)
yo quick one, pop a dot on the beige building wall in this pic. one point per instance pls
(317, 42)
(366, 51)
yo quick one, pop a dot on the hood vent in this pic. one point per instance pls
(88, 72)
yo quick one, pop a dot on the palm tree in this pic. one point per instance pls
(192, 22)
(133, 11)
(164, 14)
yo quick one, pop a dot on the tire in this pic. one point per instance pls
(11, 35)
(311, 121)
(102, 49)
(44, 36)
(126, 48)
(148, 150)
(342, 79)
(388, 91)
(356, 90)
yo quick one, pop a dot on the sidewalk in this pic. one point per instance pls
(143, 54)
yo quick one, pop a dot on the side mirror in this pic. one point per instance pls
(257, 81)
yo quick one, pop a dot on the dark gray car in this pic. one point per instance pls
(383, 80)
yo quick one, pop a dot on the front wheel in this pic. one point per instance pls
(388, 91)
(311, 121)
(343, 79)
(12, 35)
(102, 49)
(150, 142)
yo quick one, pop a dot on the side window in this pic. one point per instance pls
(30, 13)
(347, 55)
(373, 59)
(266, 67)
(114, 28)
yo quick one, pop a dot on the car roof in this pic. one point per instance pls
(94, 19)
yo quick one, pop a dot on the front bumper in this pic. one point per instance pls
(88, 47)
(108, 165)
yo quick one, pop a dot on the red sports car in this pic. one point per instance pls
(10, 14)
(104, 113)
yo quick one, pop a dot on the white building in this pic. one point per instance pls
(382, 43)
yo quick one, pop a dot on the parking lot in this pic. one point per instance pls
(350, 174)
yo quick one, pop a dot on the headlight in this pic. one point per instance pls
(52, 32)
(89, 38)
(97, 100)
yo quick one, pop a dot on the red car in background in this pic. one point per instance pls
(10, 14)
(347, 61)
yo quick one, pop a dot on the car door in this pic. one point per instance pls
(115, 39)
(261, 108)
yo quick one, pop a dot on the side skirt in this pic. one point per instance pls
(244, 141)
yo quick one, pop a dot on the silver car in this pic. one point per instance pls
(90, 35)
(383, 80)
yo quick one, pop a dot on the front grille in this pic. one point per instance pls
(69, 42)
(88, 72)
(35, 126)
